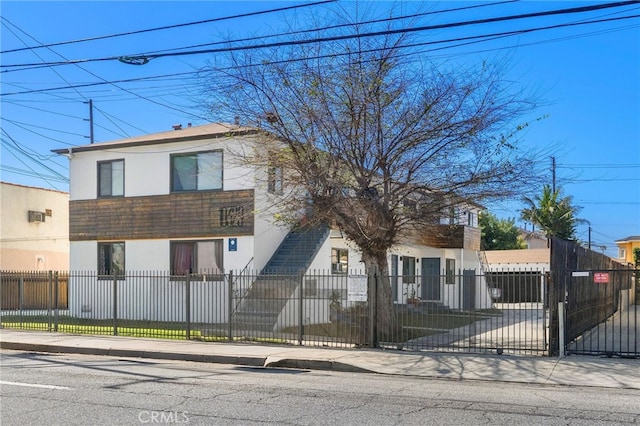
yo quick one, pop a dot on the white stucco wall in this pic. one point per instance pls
(147, 168)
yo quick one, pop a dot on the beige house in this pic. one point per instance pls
(535, 259)
(34, 228)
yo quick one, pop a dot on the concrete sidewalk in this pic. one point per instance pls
(575, 370)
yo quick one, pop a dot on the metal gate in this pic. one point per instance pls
(500, 312)
(602, 317)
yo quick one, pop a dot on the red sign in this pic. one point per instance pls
(600, 277)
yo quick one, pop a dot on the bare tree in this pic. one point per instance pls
(382, 140)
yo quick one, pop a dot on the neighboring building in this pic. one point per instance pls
(518, 275)
(626, 246)
(34, 230)
(182, 201)
(537, 259)
(534, 240)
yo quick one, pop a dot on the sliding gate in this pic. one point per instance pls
(602, 316)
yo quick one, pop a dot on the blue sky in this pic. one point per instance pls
(588, 77)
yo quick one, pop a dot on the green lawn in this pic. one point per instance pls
(155, 329)
(408, 324)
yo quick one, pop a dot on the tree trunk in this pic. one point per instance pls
(377, 267)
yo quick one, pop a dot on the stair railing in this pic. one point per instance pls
(234, 281)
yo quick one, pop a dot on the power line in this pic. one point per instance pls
(166, 27)
(481, 37)
(332, 27)
(143, 59)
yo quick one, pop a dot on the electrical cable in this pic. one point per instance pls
(243, 15)
(491, 36)
(143, 59)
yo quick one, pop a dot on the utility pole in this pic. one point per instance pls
(553, 174)
(589, 238)
(90, 119)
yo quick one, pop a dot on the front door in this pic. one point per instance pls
(430, 278)
(468, 289)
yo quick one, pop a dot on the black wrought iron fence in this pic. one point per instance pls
(500, 312)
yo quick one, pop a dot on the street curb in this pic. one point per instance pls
(171, 356)
(308, 364)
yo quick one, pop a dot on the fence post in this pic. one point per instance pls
(56, 291)
(552, 305)
(21, 297)
(115, 304)
(230, 308)
(50, 301)
(561, 333)
(373, 305)
(187, 308)
(300, 310)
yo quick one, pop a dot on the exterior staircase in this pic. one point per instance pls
(273, 288)
(297, 250)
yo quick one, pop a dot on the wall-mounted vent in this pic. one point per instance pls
(36, 216)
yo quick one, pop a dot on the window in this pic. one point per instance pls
(622, 254)
(275, 180)
(450, 271)
(471, 219)
(408, 270)
(110, 259)
(196, 257)
(196, 171)
(339, 261)
(111, 178)
(452, 216)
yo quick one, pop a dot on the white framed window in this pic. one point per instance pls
(111, 178)
(196, 171)
(450, 271)
(339, 261)
(622, 253)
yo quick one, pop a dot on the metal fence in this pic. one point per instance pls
(597, 295)
(503, 312)
(601, 315)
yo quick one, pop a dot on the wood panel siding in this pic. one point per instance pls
(450, 236)
(178, 215)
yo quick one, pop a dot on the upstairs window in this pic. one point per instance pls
(622, 254)
(111, 178)
(110, 259)
(339, 261)
(196, 171)
(275, 180)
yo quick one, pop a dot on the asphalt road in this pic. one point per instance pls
(46, 389)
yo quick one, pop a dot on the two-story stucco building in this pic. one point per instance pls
(183, 201)
(34, 228)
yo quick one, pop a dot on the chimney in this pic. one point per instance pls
(177, 127)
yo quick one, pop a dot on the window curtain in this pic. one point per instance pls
(182, 258)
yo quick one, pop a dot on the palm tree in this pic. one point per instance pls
(553, 214)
